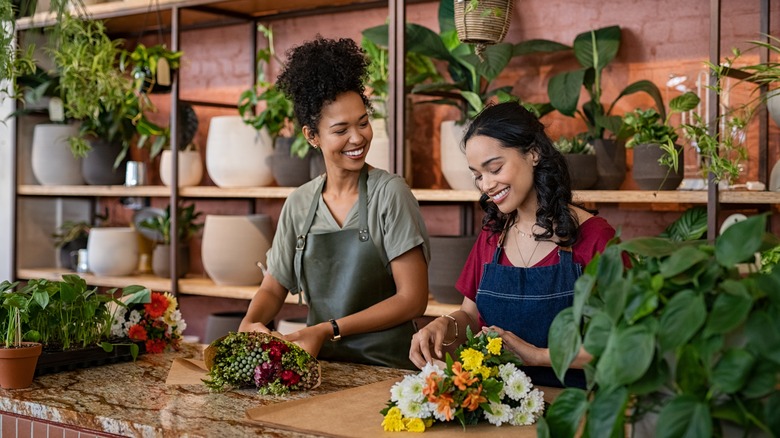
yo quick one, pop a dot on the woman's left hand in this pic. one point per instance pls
(310, 338)
(529, 354)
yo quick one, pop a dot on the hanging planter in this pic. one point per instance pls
(482, 22)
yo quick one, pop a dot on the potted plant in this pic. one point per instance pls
(70, 237)
(17, 357)
(152, 67)
(723, 151)
(190, 162)
(677, 332)
(187, 228)
(580, 160)
(656, 153)
(291, 160)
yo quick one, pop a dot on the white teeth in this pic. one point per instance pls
(500, 194)
(355, 153)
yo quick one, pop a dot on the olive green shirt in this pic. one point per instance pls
(394, 223)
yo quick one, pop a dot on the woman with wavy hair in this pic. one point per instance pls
(351, 242)
(532, 247)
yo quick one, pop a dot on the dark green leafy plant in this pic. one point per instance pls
(186, 224)
(679, 332)
(17, 305)
(647, 127)
(143, 62)
(278, 114)
(723, 151)
(13, 62)
(691, 225)
(70, 231)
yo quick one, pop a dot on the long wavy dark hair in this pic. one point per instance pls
(516, 127)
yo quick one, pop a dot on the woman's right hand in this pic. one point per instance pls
(427, 342)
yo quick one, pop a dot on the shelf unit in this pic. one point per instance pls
(124, 17)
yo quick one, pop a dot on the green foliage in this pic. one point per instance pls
(70, 231)
(470, 77)
(13, 62)
(277, 116)
(186, 224)
(647, 127)
(723, 151)
(576, 144)
(679, 331)
(60, 314)
(691, 225)
(144, 61)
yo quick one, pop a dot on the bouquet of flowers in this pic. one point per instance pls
(272, 365)
(485, 383)
(151, 317)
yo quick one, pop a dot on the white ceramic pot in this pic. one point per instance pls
(190, 168)
(53, 164)
(379, 152)
(454, 166)
(236, 154)
(233, 245)
(112, 251)
(773, 105)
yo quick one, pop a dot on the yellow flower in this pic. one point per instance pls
(393, 421)
(494, 346)
(486, 372)
(472, 359)
(414, 424)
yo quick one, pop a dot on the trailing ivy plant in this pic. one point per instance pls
(678, 332)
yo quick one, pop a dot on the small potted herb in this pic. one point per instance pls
(18, 357)
(188, 228)
(152, 67)
(580, 159)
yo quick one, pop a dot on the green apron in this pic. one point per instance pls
(341, 273)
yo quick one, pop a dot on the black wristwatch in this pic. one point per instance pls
(336, 331)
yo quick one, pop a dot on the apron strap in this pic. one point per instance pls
(500, 244)
(300, 241)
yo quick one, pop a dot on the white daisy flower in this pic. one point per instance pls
(415, 409)
(534, 402)
(501, 413)
(519, 417)
(505, 371)
(517, 386)
(430, 368)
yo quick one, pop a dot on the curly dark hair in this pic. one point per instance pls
(317, 72)
(516, 127)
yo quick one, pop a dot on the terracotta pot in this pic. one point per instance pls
(582, 170)
(232, 246)
(649, 174)
(17, 365)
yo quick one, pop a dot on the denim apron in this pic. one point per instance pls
(526, 300)
(341, 273)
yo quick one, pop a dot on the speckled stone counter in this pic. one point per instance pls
(132, 399)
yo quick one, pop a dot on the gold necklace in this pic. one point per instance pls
(523, 233)
(520, 252)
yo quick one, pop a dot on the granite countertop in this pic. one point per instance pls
(132, 399)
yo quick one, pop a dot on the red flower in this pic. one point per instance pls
(155, 346)
(290, 378)
(157, 307)
(137, 332)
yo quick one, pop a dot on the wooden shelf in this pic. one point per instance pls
(149, 281)
(105, 191)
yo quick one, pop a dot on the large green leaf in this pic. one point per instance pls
(607, 413)
(650, 246)
(683, 259)
(641, 301)
(684, 417)
(495, 58)
(446, 16)
(761, 379)
(565, 414)
(731, 372)
(772, 411)
(597, 48)
(564, 91)
(420, 39)
(691, 225)
(654, 379)
(691, 375)
(565, 342)
(770, 285)
(740, 241)
(583, 287)
(628, 354)
(682, 317)
(597, 334)
(535, 46)
(762, 335)
(643, 86)
(730, 308)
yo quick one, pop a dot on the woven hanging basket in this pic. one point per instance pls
(486, 24)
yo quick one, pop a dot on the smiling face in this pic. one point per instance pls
(344, 133)
(504, 174)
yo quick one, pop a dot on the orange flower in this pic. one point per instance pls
(473, 399)
(157, 307)
(431, 387)
(461, 379)
(137, 333)
(444, 405)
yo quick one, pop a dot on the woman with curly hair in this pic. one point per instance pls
(533, 245)
(351, 242)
